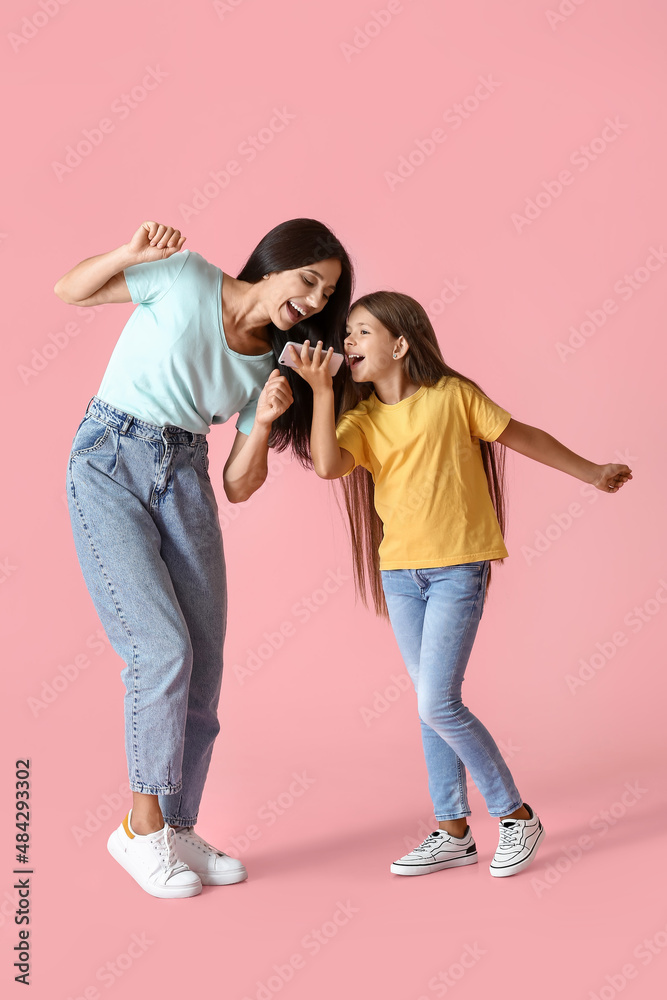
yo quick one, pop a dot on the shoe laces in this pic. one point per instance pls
(509, 834)
(164, 846)
(427, 844)
(196, 841)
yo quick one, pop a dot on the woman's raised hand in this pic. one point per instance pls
(274, 399)
(153, 241)
(315, 372)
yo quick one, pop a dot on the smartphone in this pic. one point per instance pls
(286, 358)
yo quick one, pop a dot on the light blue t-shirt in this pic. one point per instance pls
(172, 364)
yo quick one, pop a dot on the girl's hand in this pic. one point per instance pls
(315, 372)
(153, 241)
(274, 399)
(610, 478)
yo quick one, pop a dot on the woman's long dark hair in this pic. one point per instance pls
(424, 365)
(293, 244)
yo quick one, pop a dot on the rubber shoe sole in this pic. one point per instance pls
(222, 878)
(161, 891)
(426, 869)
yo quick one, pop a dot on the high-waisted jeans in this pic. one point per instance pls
(148, 539)
(434, 614)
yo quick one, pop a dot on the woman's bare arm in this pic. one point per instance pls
(247, 464)
(100, 279)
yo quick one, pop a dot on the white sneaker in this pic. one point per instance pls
(439, 850)
(211, 865)
(518, 843)
(152, 862)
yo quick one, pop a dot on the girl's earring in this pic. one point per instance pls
(265, 275)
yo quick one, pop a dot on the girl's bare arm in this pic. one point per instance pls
(542, 447)
(330, 461)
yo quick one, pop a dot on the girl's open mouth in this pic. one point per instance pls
(354, 359)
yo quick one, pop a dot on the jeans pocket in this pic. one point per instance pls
(90, 436)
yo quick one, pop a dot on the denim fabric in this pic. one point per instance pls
(148, 539)
(434, 614)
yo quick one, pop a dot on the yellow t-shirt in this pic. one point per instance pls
(424, 455)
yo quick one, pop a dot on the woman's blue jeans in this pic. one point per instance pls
(148, 539)
(434, 614)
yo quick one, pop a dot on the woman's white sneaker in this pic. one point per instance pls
(152, 861)
(214, 867)
(517, 844)
(439, 850)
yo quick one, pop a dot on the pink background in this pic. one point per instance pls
(574, 923)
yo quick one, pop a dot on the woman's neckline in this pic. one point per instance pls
(230, 350)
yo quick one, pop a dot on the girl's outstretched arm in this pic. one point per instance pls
(330, 461)
(537, 444)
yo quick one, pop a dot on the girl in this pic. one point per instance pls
(424, 444)
(200, 347)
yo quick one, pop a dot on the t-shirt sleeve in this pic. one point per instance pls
(148, 282)
(246, 417)
(486, 419)
(350, 437)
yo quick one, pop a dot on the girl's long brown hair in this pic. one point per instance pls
(424, 365)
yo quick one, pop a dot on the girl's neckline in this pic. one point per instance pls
(402, 402)
(236, 354)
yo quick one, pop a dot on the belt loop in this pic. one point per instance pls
(88, 407)
(127, 423)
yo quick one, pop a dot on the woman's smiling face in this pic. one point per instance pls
(293, 295)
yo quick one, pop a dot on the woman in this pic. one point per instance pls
(200, 347)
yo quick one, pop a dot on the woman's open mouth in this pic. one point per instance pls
(294, 311)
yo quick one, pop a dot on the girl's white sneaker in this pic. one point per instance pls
(214, 867)
(438, 851)
(152, 861)
(517, 844)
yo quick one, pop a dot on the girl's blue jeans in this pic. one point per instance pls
(148, 539)
(434, 614)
